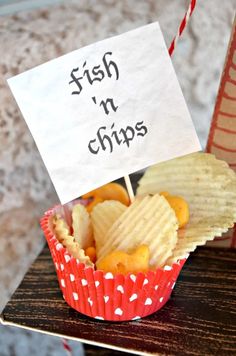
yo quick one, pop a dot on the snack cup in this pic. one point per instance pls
(102, 295)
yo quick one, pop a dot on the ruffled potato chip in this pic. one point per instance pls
(148, 220)
(82, 227)
(103, 216)
(209, 187)
(61, 231)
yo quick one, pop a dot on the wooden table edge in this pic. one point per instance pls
(84, 341)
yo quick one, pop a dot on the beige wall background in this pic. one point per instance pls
(29, 38)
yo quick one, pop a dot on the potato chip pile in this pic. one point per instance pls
(209, 187)
(150, 221)
(180, 204)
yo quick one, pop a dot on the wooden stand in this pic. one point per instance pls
(199, 319)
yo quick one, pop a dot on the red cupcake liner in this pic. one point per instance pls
(103, 296)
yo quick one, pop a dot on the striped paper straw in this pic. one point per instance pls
(67, 347)
(182, 25)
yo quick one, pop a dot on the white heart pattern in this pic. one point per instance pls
(136, 317)
(106, 298)
(84, 282)
(133, 297)
(67, 258)
(132, 277)
(90, 301)
(108, 275)
(120, 289)
(97, 283)
(75, 296)
(148, 301)
(72, 277)
(118, 311)
(59, 247)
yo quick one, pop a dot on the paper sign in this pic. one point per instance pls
(105, 111)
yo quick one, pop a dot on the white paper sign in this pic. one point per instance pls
(105, 111)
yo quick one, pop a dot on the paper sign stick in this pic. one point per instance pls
(129, 188)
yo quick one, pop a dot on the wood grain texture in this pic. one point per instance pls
(199, 319)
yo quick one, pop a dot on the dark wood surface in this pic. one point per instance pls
(199, 319)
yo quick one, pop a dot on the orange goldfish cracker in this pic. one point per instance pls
(165, 194)
(93, 203)
(124, 263)
(91, 253)
(110, 191)
(180, 206)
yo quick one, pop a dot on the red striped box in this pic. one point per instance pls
(222, 135)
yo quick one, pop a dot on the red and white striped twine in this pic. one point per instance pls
(171, 50)
(182, 25)
(67, 347)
